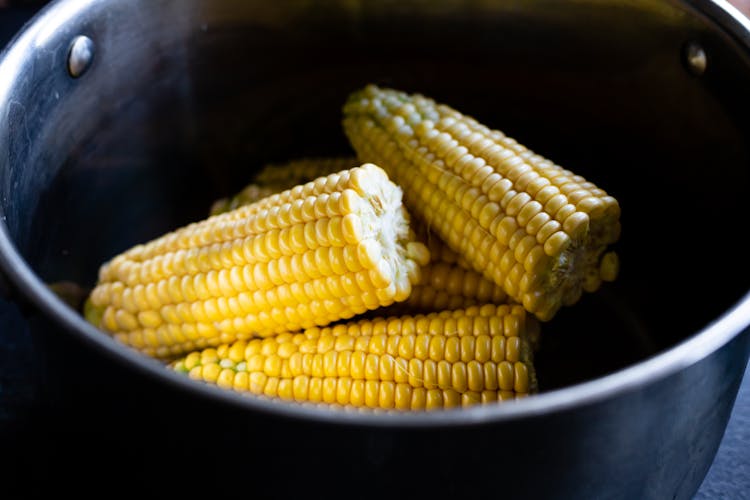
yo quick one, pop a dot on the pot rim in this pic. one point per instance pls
(698, 346)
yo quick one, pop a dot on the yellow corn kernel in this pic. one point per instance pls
(272, 283)
(538, 231)
(374, 362)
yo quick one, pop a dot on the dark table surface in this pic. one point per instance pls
(729, 476)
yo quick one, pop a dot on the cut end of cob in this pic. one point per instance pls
(391, 250)
(537, 230)
(582, 265)
(311, 255)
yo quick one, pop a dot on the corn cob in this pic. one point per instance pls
(318, 253)
(535, 229)
(440, 360)
(274, 178)
(448, 282)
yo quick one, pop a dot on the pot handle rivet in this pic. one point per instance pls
(695, 58)
(80, 55)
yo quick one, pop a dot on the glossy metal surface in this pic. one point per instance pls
(696, 58)
(640, 379)
(81, 56)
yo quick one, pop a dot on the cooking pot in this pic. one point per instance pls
(123, 120)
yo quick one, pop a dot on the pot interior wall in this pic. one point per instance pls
(183, 105)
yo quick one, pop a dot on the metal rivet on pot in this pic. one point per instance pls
(695, 58)
(80, 55)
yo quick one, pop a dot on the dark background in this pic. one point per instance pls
(729, 476)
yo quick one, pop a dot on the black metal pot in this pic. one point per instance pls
(122, 120)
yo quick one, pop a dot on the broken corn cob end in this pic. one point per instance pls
(317, 253)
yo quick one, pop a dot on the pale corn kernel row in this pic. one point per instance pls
(535, 229)
(446, 359)
(299, 263)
